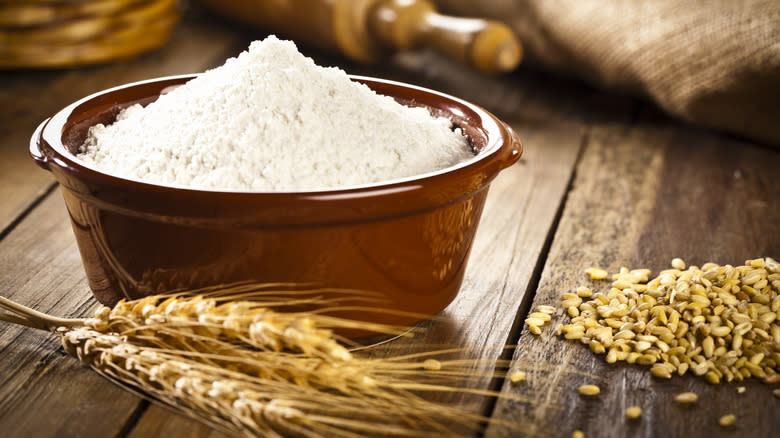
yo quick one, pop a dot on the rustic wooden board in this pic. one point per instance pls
(44, 392)
(29, 97)
(643, 195)
(158, 421)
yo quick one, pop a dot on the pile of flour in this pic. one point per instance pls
(272, 120)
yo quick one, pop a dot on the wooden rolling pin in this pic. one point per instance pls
(369, 30)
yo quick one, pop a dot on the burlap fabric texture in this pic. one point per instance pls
(713, 62)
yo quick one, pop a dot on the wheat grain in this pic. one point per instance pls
(207, 357)
(588, 390)
(633, 412)
(720, 322)
(727, 420)
(686, 398)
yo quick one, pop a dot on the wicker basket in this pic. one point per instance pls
(67, 33)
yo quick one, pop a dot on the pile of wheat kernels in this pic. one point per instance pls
(717, 321)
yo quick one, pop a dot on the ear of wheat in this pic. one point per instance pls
(232, 359)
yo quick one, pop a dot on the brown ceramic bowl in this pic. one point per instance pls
(408, 239)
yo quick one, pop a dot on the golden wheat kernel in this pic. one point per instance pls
(646, 359)
(762, 333)
(622, 284)
(534, 322)
(720, 331)
(686, 397)
(540, 315)
(546, 309)
(632, 357)
(741, 389)
(573, 312)
(708, 346)
(709, 266)
(584, 292)
(612, 355)
(712, 377)
(517, 376)
(756, 358)
(775, 306)
(776, 392)
(432, 365)
(596, 273)
(597, 347)
(661, 371)
(678, 263)
(578, 434)
(588, 390)
(633, 412)
(768, 317)
(538, 331)
(727, 420)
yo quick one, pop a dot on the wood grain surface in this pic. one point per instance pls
(604, 181)
(643, 195)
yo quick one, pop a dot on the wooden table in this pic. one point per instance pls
(605, 180)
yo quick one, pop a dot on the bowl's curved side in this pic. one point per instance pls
(408, 239)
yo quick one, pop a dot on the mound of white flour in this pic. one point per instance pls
(272, 120)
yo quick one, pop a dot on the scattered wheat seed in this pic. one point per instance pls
(589, 390)
(596, 273)
(578, 434)
(686, 397)
(678, 263)
(718, 322)
(534, 329)
(727, 420)
(661, 371)
(546, 309)
(712, 377)
(584, 292)
(517, 376)
(741, 389)
(633, 412)
(776, 392)
(545, 317)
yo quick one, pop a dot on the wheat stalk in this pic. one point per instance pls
(249, 369)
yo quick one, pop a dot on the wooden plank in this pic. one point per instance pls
(44, 392)
(158, 421)
(28, 97)
(643, 195)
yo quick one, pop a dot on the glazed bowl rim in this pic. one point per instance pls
(500, 141)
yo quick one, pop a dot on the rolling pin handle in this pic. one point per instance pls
(489, 46)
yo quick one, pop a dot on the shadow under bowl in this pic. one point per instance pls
(407, 239)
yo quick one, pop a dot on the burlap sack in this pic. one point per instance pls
(713, 62)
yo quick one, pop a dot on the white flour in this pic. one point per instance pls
(271, 120)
